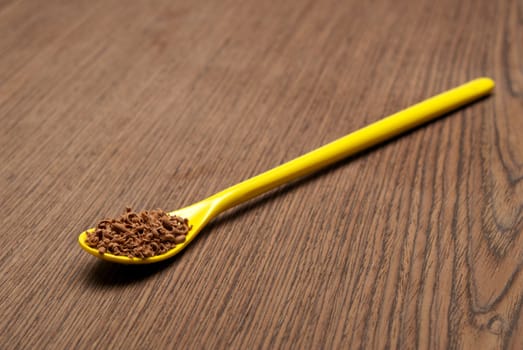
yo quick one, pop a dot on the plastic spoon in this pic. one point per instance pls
(200, 213)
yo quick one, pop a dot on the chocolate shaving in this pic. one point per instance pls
(139, 235)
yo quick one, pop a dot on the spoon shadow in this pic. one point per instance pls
(104, 273)
(107, 274)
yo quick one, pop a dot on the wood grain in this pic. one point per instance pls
(415, 244)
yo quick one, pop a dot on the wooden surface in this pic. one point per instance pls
(416, 244)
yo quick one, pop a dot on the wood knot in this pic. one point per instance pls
(496, 325)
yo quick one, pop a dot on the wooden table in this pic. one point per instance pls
(106, 103)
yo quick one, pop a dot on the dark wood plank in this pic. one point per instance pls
(416, 244)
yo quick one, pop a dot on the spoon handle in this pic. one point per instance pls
(355, 142)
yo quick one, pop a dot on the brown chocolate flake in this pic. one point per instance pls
(179, 239)
(118, 227)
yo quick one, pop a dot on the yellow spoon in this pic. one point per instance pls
(201, 213)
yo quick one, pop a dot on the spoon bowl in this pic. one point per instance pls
(201, 213)
(198, 214)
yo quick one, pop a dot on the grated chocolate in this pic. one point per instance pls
(139, 234)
